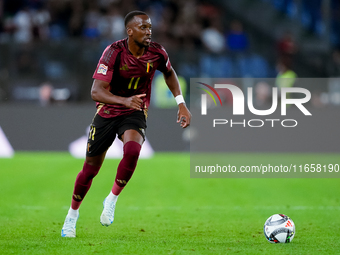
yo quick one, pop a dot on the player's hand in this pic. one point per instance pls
(134, 102)
(183, 116)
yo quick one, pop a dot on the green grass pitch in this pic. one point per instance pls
(163, 210)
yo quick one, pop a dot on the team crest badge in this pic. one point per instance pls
(102, 69)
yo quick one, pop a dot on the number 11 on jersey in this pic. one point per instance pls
(136, 83)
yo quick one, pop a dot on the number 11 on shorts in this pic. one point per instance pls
(92, 132)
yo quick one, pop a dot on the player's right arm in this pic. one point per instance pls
(101, 94)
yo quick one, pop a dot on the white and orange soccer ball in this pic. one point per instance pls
(279, 228)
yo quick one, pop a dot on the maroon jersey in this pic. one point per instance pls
(129, 75)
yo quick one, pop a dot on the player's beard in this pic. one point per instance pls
(141, 44)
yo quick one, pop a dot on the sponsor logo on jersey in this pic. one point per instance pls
(124, 68)
(102, 69)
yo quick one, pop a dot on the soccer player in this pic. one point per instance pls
(122, 89)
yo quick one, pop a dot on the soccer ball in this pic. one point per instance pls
(279, 228)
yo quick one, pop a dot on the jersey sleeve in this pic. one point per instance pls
(104, 70)
(165, 65)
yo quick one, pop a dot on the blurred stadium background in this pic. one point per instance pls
(50, 48)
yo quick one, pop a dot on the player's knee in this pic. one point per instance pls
(92, 174)
(131, 151)
(95, 161)
(89, 171)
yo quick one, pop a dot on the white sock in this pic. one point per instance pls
(73, 213)
(112, 197)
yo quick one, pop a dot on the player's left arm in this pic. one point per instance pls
(183, 115)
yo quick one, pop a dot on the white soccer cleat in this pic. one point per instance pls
(69, 228)
(107, 216)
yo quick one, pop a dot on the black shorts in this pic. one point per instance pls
(103, 131)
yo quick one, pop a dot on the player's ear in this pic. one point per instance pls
(129, 31)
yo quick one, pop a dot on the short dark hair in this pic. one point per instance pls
(131, 15)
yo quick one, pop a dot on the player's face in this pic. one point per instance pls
(140, 30)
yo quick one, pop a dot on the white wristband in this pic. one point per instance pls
(179, 99)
